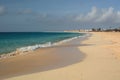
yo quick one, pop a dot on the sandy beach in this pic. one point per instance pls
(94, 58)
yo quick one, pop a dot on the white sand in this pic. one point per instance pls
(100, 63)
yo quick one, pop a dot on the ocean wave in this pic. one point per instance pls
(48, 44)
(34, 47)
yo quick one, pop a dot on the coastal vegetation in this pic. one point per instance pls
(106, 30)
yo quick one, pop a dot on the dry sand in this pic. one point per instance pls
(93, 59)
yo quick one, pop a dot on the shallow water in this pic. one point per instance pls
(10, 41)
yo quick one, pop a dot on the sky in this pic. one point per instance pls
(58, 15)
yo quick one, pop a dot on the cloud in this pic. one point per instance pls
(2, 10)
(26, 11)
(107, 15)
(89, 16)
(99, 16)
(96, 17)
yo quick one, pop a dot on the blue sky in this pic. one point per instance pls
(57, 15)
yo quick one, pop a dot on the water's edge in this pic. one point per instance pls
(22, 50)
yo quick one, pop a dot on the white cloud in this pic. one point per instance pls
(91, 15)
(100, 16)
(106, 15)
(2, 10)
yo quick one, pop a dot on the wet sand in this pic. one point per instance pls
(41, 60)
(92, 59)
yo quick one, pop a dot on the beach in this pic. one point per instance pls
(96, 57)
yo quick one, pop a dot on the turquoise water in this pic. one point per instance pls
(10, 41)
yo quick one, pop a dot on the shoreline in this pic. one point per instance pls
(24, 50)
(93, 58)
(50, 58)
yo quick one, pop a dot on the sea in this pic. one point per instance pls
(12, 41)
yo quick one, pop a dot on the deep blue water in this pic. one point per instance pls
(10, 41)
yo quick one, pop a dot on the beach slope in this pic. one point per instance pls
(98, 62)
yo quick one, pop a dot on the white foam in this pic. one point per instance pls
(34, 47)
